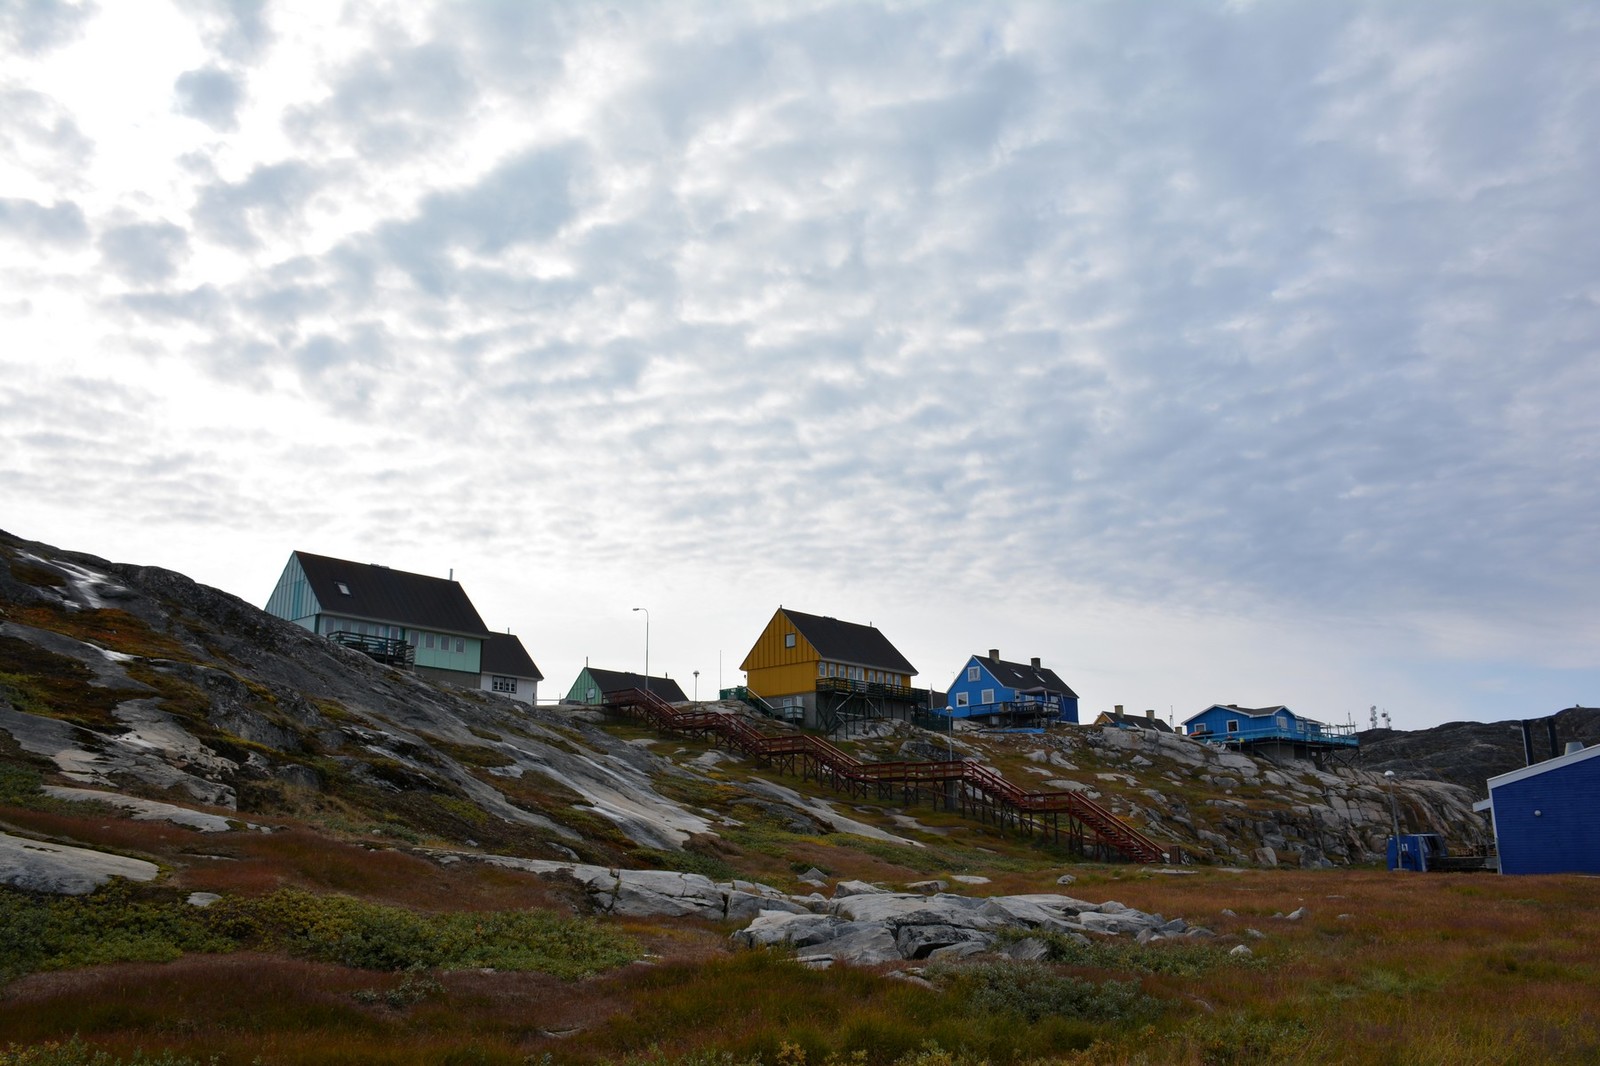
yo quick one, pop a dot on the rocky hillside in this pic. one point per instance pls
(136, 686)
(1469, 753)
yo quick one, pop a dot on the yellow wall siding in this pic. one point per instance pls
(787, 680)
(770, 649)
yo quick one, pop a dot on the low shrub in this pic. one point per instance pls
(1034, 992)
(124, 923)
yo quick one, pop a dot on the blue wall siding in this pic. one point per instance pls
(1216, 719)
(974, 690)
(1564, 837)
(1002, 694)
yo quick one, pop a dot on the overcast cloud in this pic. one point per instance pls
(1239, 352)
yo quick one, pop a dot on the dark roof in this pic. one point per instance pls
(1134, 721)
(1248, 712)
(379, 594)
(609, 681)
(849, 642)
(504, 654)
(1025, 677)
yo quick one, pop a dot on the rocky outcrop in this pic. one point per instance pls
(41, 866)
(859, 924)
(1231, 807)
(1469, 753)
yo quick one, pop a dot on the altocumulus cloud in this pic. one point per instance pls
(1230, 311)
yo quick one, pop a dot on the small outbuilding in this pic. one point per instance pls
(1544, 815)
(593, 685)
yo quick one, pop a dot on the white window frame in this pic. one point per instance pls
(788, 640)
(963, 699)
(988, 696)
(500, 683)
(973, 673)
(1233, 725)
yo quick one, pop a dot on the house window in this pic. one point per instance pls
(342, 587)
(592, 694)
(504, 684)
(1233, 725)
(822, 669)
(788, 640)
(427, 641)
(972, 673)
(988, 695)
(962, 698)
(461, 644)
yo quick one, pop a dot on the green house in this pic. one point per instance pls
(594, 685)
(409, 620)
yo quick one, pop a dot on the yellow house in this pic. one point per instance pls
(816, 668)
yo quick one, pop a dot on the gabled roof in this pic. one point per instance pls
(504, 654)
(1025, 677)
(609, 681)
(1248, 712)
(849, 642)
(1133, 721)
(379, 594)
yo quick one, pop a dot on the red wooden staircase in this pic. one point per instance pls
(978, 790)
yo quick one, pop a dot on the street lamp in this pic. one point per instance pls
(646, 646)
(1394, 809)
(697, 686)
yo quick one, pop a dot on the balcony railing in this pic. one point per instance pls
(844, 686)
(384, 649)
(1301, 731)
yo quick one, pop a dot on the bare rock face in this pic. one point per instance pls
(237, 699)
(39, 866)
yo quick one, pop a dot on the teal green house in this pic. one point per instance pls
(414, 621)
(594, 685)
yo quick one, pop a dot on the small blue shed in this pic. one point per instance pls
(1545, 815)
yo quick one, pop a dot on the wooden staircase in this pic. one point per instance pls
(978, 790)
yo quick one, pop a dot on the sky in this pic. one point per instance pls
(1212, 352)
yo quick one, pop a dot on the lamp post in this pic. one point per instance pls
(697, 686)
(646, 611)
(1394, 809)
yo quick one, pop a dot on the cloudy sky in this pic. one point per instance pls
(1212, 352)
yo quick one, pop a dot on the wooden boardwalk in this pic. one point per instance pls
(974, 789)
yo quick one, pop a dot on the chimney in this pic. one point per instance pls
(994, 653)
(1034, 662)
(1118, 712)
(1150, 714)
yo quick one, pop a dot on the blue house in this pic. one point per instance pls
(1272, 732)
(990, 687)
(1544, 815)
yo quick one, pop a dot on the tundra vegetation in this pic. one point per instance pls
(342, 926)
(338, 947)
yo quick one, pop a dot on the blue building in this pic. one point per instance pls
(990, 687)
(1271, 732)
(1544, 815)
